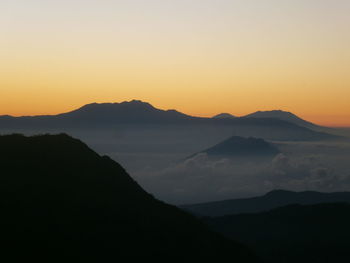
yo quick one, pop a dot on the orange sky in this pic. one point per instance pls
(199, 57)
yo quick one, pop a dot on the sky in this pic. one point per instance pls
(201, 57)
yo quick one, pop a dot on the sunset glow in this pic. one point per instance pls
(201, 57)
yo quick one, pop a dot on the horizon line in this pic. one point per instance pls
(192, 115)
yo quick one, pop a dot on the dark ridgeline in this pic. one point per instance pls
(296, 233)
(133, 112)
(243, 147)
(62, 202)
(141, 114)
(271, 200)
(102, 115)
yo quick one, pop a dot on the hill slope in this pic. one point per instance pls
(62, 201)
(271, 200)
(295, 233)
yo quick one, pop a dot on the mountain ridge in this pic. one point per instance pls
(282, 115)
(293, 233)
(268, 201)
(138, 113)
(241, 146)
(249, 149)
(61, 200)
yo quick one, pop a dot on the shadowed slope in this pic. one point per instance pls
(271, 200)
(62, 201)
(296, 233)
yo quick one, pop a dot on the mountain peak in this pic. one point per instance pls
(282, 115)
(224, 116)
(136, 103)
(111, 105)
(134, 111)
(241, 146)
(276, 112)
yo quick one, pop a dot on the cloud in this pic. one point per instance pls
(202, 178)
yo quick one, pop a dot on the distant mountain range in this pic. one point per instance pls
(61, 201)
(138, 113)
(275, 114)
(271, 200)
(296, 233)
(134, 111)
(237, 146)
(102, 114)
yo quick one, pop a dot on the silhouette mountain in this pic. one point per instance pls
(224, 116)
(282, 115)
(124, 112)
(138, 114)
(295, 233)
(99, 115)
(243, 147)
(62, 201)
(271, 200)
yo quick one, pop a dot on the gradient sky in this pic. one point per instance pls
(201, 57)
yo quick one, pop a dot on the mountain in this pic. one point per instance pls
(62, 201)
(102, 114)
(124, 112)
(271, 200)
(282, 115)
(296, 233)
(242, 147)
(224, 116)
(137, 114)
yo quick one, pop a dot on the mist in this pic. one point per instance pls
(157, 157)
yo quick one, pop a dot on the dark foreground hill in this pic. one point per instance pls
(62, 202)
(271, 200)
(296, 233)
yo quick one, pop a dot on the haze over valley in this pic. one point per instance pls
(169, 153)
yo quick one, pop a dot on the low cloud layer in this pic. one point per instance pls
(202, 178)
